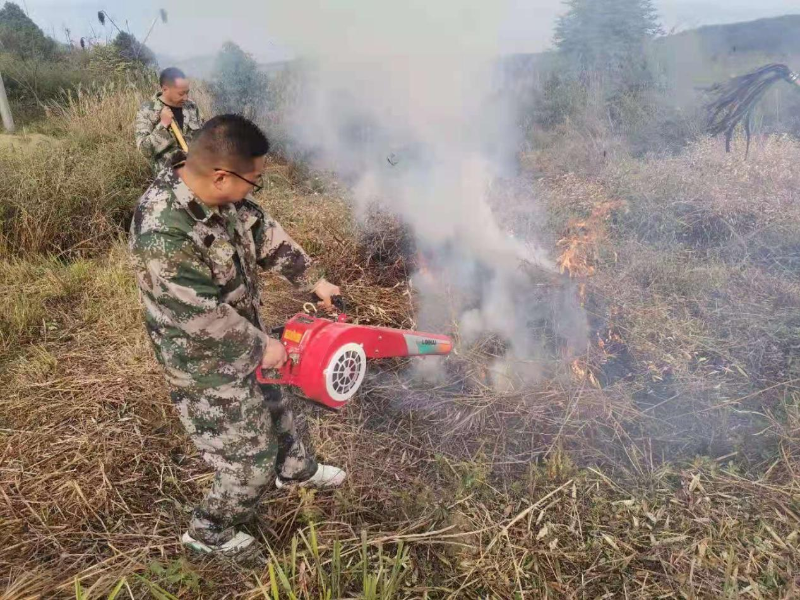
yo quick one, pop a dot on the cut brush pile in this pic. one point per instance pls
(670, 474)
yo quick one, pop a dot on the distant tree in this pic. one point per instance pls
(604, 48)
(606, 36)
(237, 82)
(132, 51)
(21, 36)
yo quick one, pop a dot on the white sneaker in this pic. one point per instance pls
(325, 477)
(237, 544)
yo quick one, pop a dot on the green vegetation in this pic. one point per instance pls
(21, 36)
(607, 36)
(766, 37)
(37, 70)
(132, 52)
(237, 84)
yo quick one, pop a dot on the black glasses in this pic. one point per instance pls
(257, 185)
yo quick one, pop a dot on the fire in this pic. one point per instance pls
(580, 254)
(581, 244)
(423, 268)
(582, 371)
(574, 258)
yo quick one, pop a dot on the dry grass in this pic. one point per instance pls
(73, 195)
(693, 297)
(365, 259)
(667, 473)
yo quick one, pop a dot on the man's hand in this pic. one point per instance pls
(325, 290)
(274, 356)
(166, 116)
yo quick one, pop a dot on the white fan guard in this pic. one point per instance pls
(345, 372)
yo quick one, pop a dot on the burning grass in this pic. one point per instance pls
(666, 469)
(691, 323)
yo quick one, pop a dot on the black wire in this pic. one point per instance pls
(737, 99)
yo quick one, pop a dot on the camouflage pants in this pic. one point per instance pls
(247, 433)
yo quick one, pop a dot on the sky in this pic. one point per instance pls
(280, 29)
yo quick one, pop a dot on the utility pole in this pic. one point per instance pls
(5, 109)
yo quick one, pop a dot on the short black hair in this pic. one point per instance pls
(229, 141)
(170, 75)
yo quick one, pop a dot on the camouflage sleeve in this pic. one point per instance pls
(276, 251)
(151, 141)
(180, 283)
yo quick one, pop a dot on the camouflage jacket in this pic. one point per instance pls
(197, 271)
(154, 140)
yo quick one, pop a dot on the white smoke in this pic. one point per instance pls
(413, 117)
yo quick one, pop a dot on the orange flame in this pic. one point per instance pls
(580, 245)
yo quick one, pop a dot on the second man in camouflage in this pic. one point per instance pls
(152, 125)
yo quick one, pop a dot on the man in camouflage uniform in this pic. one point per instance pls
(152, 125)
(196, 251)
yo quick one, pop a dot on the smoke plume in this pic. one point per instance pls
(416, 120)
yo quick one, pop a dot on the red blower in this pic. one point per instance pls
(328, 359)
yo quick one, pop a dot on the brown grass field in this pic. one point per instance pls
(661, 462)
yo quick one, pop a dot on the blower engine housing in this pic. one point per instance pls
(328, 359)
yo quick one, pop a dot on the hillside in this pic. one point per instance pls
(199, 67)
(691, 59)
(776, 37)
(690, 62)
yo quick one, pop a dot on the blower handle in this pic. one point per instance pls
(283, 373)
